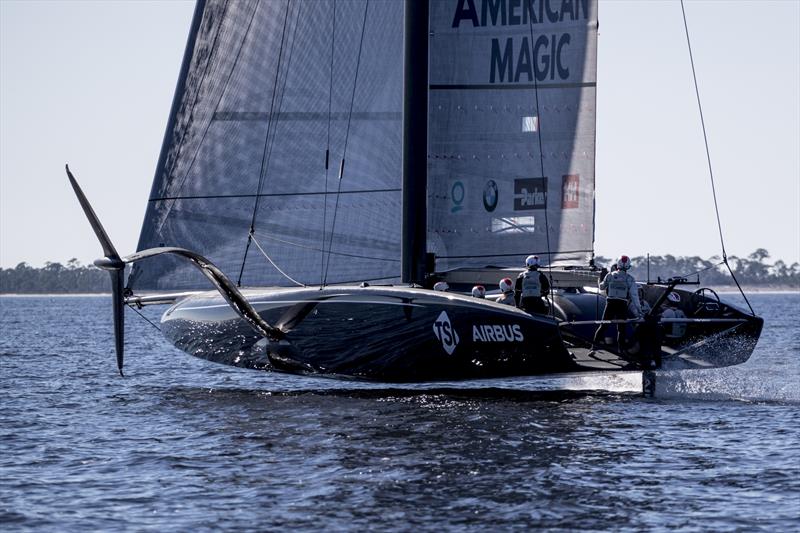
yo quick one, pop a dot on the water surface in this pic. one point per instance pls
(186, 444)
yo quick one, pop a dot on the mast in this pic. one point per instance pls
(415, 141)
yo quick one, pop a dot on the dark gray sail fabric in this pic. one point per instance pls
(269, 89)
(271, 85)
(487, 191)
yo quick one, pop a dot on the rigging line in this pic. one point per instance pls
(144, 317)
(740, 288)
(266, 144)
(274, 133)
(541, 165)
(327, 152)
(708, 158)
(701, 270)
(280, 96)
(216, 107)
(705, 137)
(346, 138)
(285, 275)
(306, 247)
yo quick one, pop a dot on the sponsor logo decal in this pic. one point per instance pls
(530, 124)
(511, 225)
(570, 188)
(446, 333)
(490, 196)
(457, 193)
(530, 193)
(497, 333)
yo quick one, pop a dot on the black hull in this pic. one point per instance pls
(382, 334)
(393, 334)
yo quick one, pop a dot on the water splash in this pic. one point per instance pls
(622, 382)
(730, 384)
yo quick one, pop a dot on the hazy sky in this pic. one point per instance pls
(90, 83)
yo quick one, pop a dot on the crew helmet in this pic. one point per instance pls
(624, 262)
(532, 261)
(479, 291)
(441, 286)
(506, 285)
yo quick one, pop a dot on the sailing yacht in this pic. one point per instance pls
(326, 162)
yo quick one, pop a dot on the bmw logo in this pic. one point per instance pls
(490, 196)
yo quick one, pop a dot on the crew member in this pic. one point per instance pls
(531, 287)
(479, 291)
(673, 330)
(621, 293)
(507, 292)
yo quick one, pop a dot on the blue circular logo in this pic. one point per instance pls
(490, 196)
(457, 193)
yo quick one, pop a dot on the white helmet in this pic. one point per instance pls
(441, 286)
(506, 285)
(532, 261)
(624, 262)
(479, 291)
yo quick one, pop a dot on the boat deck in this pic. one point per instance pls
(599, 359)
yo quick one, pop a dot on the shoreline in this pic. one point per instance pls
(722, 289)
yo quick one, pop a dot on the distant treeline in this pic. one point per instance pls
(54, 278)
(753, 270)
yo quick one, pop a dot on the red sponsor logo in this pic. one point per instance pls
(570, 191)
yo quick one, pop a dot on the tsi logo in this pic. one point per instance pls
(496, 333)
(446, 333)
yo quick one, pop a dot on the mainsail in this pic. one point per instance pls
(512, 131)
(277, 98)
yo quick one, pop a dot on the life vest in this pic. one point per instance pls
(617, 286)
(531, 284)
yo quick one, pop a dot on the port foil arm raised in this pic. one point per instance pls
(115, 265)
(225, 286)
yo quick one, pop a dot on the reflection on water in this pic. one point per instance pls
(193, 445)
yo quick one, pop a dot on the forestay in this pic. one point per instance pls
(269, 87)
(490, 60)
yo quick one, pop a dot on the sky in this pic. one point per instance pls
(91, 83)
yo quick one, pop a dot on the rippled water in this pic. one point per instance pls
(185, 444)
